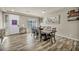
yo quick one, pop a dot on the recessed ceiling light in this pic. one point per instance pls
(43, 11)
(12, 10)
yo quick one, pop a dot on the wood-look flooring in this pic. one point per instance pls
(27, 42)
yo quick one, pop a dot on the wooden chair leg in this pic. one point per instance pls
(51, 40)
(54, 39)
(1, 39)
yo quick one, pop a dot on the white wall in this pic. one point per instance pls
(1, 20)
(65, 28)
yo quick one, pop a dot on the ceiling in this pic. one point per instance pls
(36, 11)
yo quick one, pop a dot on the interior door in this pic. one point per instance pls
(13, 24)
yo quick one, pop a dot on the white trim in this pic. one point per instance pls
(67, 37)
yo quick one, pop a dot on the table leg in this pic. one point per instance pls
(54, 39)
(51, 41)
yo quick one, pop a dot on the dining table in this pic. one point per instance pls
(48, 34)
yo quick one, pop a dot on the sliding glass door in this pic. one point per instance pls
(32, 23)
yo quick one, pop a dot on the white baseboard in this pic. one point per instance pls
(67, 37)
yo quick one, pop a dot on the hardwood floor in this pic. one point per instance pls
(27, 42)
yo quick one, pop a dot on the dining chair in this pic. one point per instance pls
(52, 35)
(41, 34)
(2, 34)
